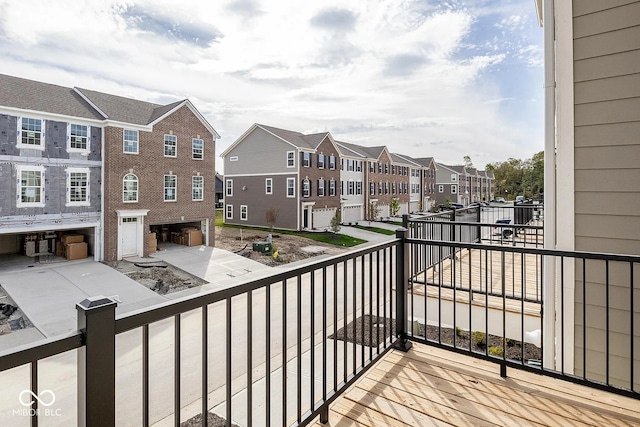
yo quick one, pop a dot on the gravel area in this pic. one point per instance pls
(16, 319)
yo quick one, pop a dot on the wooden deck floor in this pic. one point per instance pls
(433, 387)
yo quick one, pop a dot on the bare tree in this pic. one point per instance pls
(271, 216)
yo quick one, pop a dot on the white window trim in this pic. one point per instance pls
(332, 187)
(193, 187)
(78, 170)
(306, 182)
(268, 186)
(40, 147)
(164, 188)
(137, 189)
(78, 150)
(164, 145)
(228, 211)
(137, 142)
(293, 187)
(293, 157)
(193, 150)
(19, 202)
(454, 189)
(244, 216)
(321, 185)
(228, 189)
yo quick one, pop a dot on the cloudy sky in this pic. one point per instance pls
(424, 77)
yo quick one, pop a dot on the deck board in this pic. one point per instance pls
(429, 386)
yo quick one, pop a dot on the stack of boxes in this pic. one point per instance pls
(72, 246)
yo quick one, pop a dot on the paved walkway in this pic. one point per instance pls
(48, 295)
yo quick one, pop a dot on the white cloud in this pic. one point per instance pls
(403, 73)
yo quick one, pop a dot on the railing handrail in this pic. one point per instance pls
(529, 250)
(477, 224)
(138, 318)
(41, 349)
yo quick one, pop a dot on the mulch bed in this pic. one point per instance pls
(212, 421)
(374, 336)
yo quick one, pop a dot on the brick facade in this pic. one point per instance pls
(150, 165)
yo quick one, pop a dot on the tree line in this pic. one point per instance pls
(515, 177)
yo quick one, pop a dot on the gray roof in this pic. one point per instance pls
(48, 98)
(127, 110)
(424, 161)
(403, 158)
(373, 152)
(347, 149)
(298, 139)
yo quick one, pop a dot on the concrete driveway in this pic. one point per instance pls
(48, 295)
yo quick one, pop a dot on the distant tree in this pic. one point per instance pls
(448, 202)
(271, 216)
(394, 206)
(372, 212)
(467, 162)
(519, 177)
(334, 225)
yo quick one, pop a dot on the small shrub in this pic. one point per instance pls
(479, 338)
(458, 331)
(496, 351)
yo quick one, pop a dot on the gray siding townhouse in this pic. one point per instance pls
(51, 148)
(447, 184)
(276, 171)
(592, 201)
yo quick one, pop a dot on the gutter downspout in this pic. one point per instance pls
(549, 278)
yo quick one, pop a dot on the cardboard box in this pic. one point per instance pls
(194, 238)
(76, 251)
(72, 238)
(187, 230)
(153, 243)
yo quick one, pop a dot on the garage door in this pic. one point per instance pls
(352, 213)
(322, 217)
(129, 236)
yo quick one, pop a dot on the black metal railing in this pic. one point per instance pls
(279, 350)
(596, 305)
(273, 351)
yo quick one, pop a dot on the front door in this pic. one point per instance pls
(305, 218)
(129, 236)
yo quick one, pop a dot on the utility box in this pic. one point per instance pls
(262, 247)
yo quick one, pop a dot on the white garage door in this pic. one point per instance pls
(129, 236)
(322, 217)
(351, 213)
(383, 211)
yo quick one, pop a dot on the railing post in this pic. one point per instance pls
(402, 274)
(97, 362)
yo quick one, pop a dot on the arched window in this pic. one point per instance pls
(130, 188)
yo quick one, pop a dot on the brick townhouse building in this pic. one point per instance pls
(109, 168)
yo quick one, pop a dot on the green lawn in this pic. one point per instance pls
(376, 230)
(219, 218)
(324, 237)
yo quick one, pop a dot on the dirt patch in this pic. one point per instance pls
(159, 276)
(289, 247)
(11, 317)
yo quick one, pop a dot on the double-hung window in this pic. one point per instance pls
(228, 211)
(321, 161)
(78, 187)
(291, 159)
(30, 186)
(31, 133)
(78, 137)
(372, 189)
(332, 162)
(197, 188)
(170, 145)
(197, 149)
(321, 187)
(332, 187)
(350, 188)
(291, 187)
(358, 187)
(229, 187)
(244, 212)
(130, 141)
(306, 160)
(170, 188)
(268, 186)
